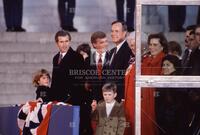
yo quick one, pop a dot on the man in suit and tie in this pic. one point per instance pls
(99, 62)
(65, 86)
(120, 55)
(194, 61)
(189, 41)
(98, 65)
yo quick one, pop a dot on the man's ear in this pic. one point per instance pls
(94, 45)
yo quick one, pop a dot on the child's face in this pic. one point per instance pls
(44, 80)
(109, 96)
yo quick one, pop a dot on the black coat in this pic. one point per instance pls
(194, 62)
(120, 63)
(93, 80)
(171, 111)
(43, 93)
(65, 84)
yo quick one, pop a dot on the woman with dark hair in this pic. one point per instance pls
(84, 49)
(174, 48)
(171, 65)
(171, 103)
(151, 65)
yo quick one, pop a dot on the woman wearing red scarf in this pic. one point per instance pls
(151, 65)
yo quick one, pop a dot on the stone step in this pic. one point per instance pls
(47, 38)
(16, 88)
(13, 99)
(34, 47)
(35, 57)
(29, 47)
(43, 37)
(23, 68)
(16, 78)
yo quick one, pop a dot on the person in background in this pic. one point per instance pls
(129, 96)
(41, 81)
(189, 41)
(171, 65)
(130, 8)
(13, 12)
(85, 128)
(109, 114)
(174, 48)
(171, 103)
(85, 50)
(176, 17)
(151, 65)
(66, 11)
(198, 16)
(194, 62)
(194, 93)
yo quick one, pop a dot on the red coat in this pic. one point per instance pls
(150, 66)
(130, 99)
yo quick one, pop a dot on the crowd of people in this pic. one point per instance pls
(168, 111)
(78, 78)
(101, 82)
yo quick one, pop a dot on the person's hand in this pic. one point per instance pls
(39, 100)
(94, 105)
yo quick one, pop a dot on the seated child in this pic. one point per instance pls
(41, 81)
(109, 114)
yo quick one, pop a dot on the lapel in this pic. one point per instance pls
(122, 50)
(114, 110)
(68, 56)
(93, 59)
(55, 60)
(106, 60)
(120, 53)
(103, 110)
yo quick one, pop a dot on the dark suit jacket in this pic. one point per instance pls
(65, 85)
(95, 82)
(185, 62)
(194, 62)
(120, 62)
